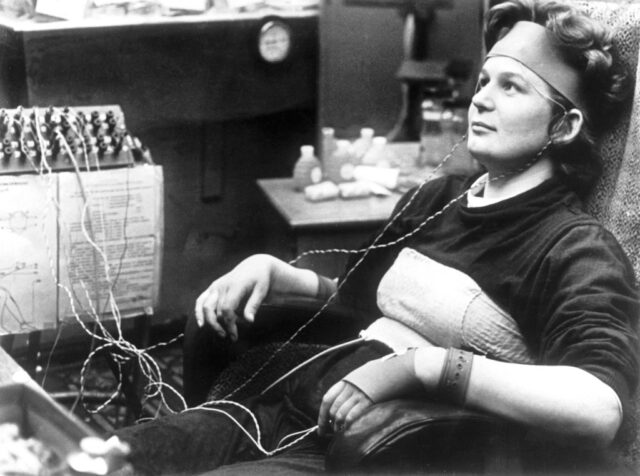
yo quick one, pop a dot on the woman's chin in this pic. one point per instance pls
(481, 154)
(489, 162)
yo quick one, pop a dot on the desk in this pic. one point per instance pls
(321, 225)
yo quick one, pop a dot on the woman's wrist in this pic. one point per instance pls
(287, 279)
(326, 287)
(428, 364)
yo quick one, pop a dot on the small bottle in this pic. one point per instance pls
(430, 134)
(361, 145)
(376, 155)
(307, 170)
(328, 143)
(339, 167)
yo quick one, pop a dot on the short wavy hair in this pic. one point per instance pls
(588, 46)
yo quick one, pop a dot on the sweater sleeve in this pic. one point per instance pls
(590, 300)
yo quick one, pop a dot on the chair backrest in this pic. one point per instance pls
(615, 200)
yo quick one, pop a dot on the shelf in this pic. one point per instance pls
(138, 20)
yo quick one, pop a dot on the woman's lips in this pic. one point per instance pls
(479, 126)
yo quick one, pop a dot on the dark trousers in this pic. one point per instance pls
(199, 441)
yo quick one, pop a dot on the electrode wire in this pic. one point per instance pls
(365, 252)
(106, 336)
(81, 124)
(88, 234)
(310, 360)
(148, 367)
(256, 440)
(304, 433)
(53, 200)
(150, 370)
(427, 220)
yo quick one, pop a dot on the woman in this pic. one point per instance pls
(513, 285)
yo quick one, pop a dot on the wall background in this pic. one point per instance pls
(361, 51)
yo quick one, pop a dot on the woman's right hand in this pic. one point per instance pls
(246, 285)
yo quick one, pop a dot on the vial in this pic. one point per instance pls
(328, 143)
(362, 144)
(376, 155)
(339, 167)
(307, 170)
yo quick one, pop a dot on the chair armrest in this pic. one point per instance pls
(278, 319)
(206, 355)
(409, 434)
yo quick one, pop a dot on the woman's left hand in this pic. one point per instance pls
(341, 405)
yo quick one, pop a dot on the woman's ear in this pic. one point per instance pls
(568, 127)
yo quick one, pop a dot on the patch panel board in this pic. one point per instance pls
(39, 140)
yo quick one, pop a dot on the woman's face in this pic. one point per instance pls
(509, 115)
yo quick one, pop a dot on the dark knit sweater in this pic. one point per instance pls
(561, 276)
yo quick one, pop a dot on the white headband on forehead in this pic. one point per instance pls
(531, 45)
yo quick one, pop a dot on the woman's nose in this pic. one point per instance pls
(482, 98)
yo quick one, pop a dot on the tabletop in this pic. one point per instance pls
(300, 213)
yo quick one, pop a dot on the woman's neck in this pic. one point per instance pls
(510, 186)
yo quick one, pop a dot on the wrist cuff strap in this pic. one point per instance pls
(454, 380)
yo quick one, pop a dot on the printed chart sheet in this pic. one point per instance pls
(82, 245)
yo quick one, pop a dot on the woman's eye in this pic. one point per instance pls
(510, 87)
(482, 82)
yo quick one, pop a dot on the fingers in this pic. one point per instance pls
(198, 311)
(324, 424)
(351, 407)
(226, 317)
(246, 285)
(208, 310)
(205, 310)
(357, 410)
(253, 303)
(340, 407)
(342, 404)
(217, 307)
(230, 321)
(226, 310)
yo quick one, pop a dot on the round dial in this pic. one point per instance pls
(274, 42)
